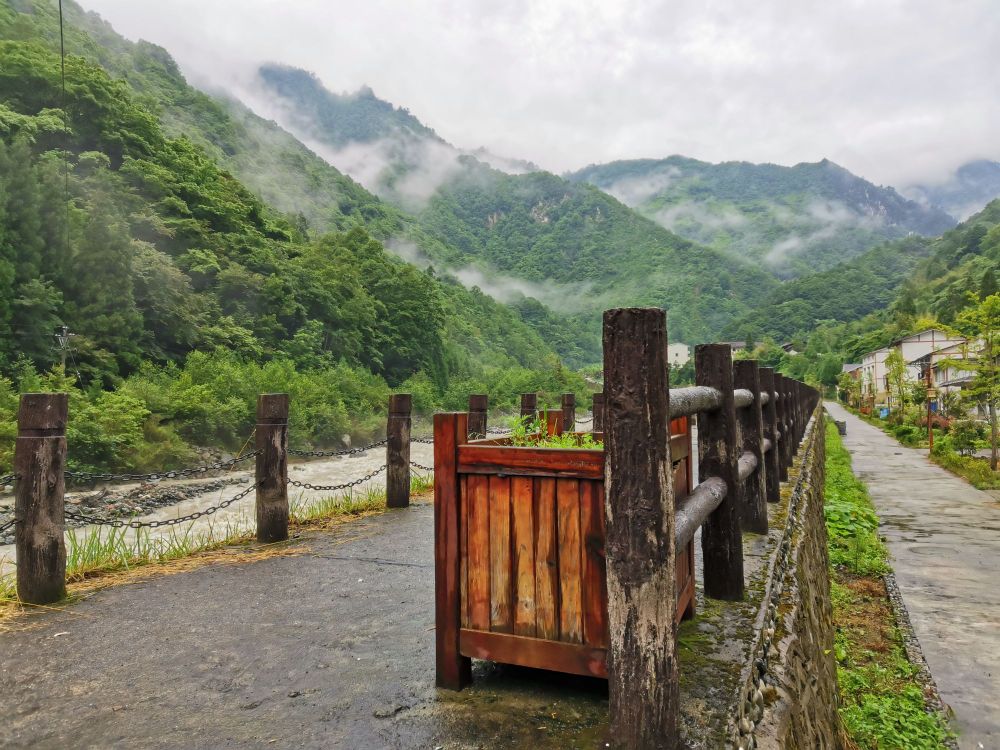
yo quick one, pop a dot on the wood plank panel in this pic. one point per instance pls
(479, 553)
(463, 545)
(522, 500)
(533, 652)
(476, 458)
(595, 583)
(570, 602)
(546, 561)
(501, 616)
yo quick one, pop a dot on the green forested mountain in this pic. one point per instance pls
(846, 292)
(588, 249)
(186, 293)
(956, 270)
(794, 219)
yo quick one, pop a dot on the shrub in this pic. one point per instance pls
(965, 435)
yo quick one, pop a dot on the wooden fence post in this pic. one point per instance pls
(597, 410)
(721, 539)
(478, 406)
(751, 421)
(552, 419)
(771, 458)
(39, 463)
(569, 412)
(454, 671)
(397, 451)
(272, 467)
(639, 509)
(529, 406)
(785, 414)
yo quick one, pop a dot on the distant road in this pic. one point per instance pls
(944, 536)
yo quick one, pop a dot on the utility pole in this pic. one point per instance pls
(930, 395)
(63, 336)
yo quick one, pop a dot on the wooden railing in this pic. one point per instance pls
(561, 558)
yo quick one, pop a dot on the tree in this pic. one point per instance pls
(981, 323)
(897, 379)
(850, 389)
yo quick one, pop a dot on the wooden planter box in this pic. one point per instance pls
(531, 581)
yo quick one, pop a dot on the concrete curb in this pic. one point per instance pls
(915, 655)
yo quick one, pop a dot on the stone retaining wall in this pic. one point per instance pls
(787, 695)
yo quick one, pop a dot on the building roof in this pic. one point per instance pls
(944, 335)
(850, 367)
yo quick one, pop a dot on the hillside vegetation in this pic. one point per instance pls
(150, 251)
(794, 220)
(587, 250)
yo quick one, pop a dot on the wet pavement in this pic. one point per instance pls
(944, 537)
(334, 648)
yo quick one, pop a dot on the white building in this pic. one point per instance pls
(678, 354)
(914, 348)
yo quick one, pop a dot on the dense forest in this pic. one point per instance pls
(187, 294)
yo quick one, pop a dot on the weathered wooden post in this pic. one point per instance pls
(39, 463)
(785, 414)
(598, 412)
(771, 461)
(529, 406)
(569, 412)
(478, 406)
(397, 451)
(751, 421)
(721, 539)
(272, 467)
(454, 671)
(639, 510)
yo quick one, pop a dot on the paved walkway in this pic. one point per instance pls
(944, 537)
(333, 648)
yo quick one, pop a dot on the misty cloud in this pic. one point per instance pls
(634, 191)
(564, 298)
(898, 92)
(712, 219)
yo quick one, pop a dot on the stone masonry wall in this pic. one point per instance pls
(788, 690)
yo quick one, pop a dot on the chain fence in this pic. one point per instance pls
(342, 452)
(9, 525)
(421, 466)
(119, 523)
(335, 487)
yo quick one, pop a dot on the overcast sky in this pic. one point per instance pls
(894, 90)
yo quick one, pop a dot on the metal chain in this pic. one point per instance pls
(8, 525)
(119, 523)
(427, 441)
(421, 466)
(81, 476)
(580, 420)
(344, 452)
(334, 487)
(7, 479)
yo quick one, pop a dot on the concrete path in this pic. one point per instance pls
(944, 537)
(331, 648)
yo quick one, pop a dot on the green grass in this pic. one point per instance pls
(882, 705)
(851, 522)
(93, 551)
(976, 471)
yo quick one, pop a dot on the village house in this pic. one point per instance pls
(914, 349)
